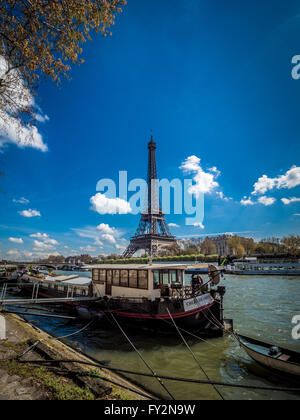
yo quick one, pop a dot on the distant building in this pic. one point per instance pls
(221, 243)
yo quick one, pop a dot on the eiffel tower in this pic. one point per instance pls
(152, 232)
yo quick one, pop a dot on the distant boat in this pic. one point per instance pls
(260, 269)
(277, 359)
(10, 274)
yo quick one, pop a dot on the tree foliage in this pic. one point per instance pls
(44, 37)
(208, 247)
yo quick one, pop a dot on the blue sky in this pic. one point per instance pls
(212, 80)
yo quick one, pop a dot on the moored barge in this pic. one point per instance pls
(148, 297)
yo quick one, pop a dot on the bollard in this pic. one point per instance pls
(2, 328)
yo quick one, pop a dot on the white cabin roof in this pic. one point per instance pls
(61, 278)
(148, 266)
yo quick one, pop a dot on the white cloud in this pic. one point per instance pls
(103, 205)
(108, 238)
(88, 248)
(266, 201)
(215, 170)
(22, 200)
(39, 235)
(42, 245)
(42, 254)
(44, 238)
(11, 129)
(13, 252)
(204, 181)
(103, 228)
(120, 247)
(297, 214)
(30, 213)
(191, 164)
(101, 236)
(200, 225)
(222, 197)
(28, 254)
(98, 243)
(288, 201)
(41, 118)
(263, 185)
(16, 240)
(247, 201)
(290, 179)
(51, 241)
(174, 225)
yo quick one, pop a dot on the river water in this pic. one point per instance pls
(261, 306)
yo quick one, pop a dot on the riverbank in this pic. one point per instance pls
(27, 378)
(200, 258)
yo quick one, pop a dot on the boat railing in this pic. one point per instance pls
(67, 290)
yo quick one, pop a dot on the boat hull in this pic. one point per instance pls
(276, 364)
(206, 319)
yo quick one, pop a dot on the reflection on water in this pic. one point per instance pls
(260, 307)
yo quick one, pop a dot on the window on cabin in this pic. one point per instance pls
(95, 274)
(109, 276)
(116, 277)
(143, 279)
(133, 279)
(165, 277)
(124, 278)
(102, 276)
(179, 276)
(172, 276)
(155, 279)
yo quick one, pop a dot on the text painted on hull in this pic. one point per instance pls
(197, 302)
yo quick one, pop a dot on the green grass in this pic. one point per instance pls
(58, 388)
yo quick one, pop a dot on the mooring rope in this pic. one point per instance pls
(171, 378)
(194, 356)
(142, 358)
(29, 349)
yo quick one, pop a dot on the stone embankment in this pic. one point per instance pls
(22, 380)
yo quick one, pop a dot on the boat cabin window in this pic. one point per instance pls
(133, 281)
(179, 277)
(99, 276)
(155, 279)
(166, 277)
(95, 275)
(116, 277)
(124, 278)
(172, 276)
(102, 276)
(143, 279)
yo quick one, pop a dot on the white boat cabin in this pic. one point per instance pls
(140, 281)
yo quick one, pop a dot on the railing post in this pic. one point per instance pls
(37, 291)
(3, 292)
(33, 290)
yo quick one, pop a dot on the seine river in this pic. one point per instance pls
(260, 306)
